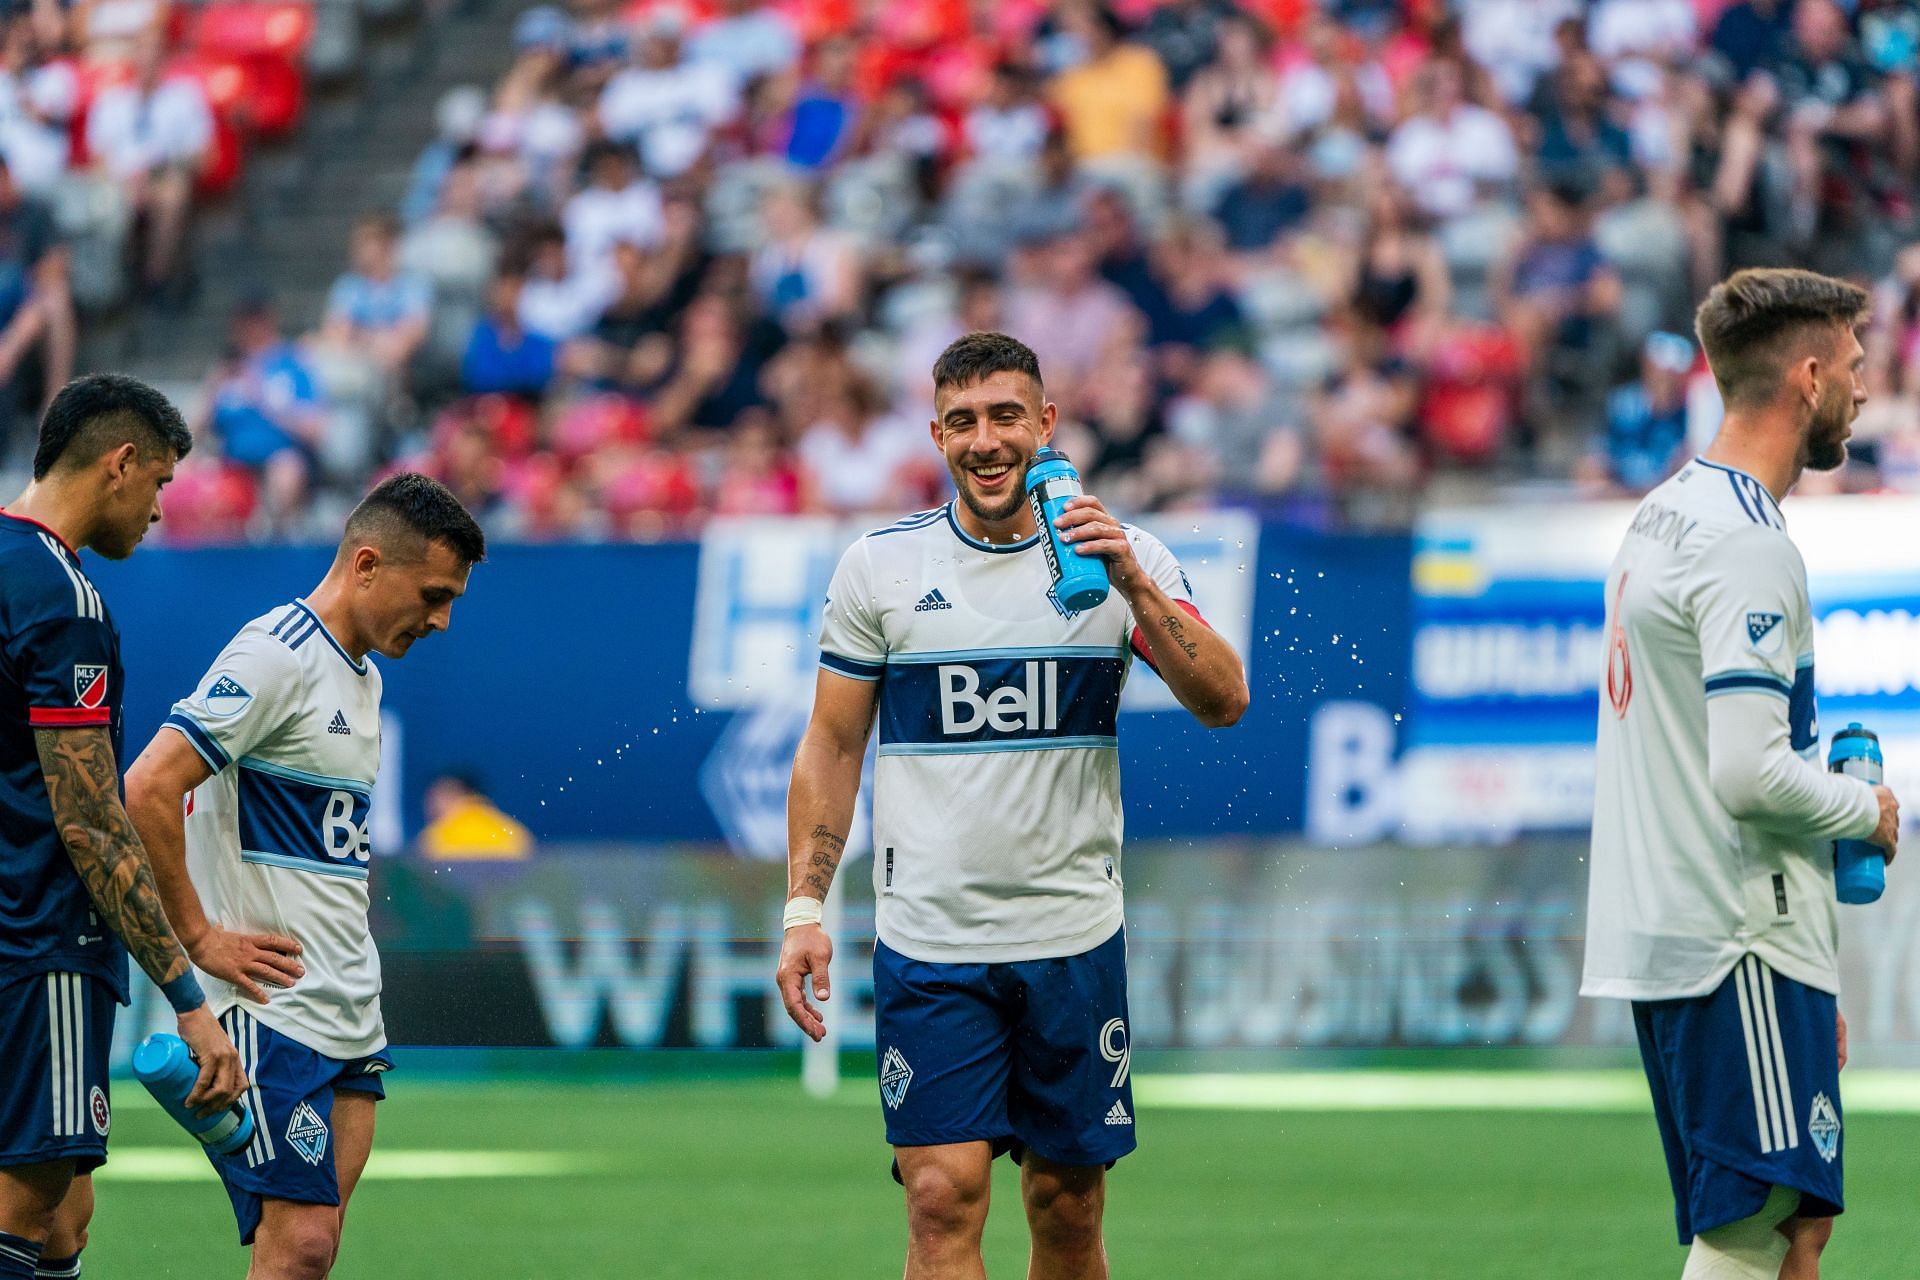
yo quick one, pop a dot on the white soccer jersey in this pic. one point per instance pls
(996, 807)
(277, 839)
(1707, 599)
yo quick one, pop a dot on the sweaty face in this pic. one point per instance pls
(1842, 391)
(989, 432)
(411, 599)
(134, 507)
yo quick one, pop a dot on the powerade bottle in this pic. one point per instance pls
(1859, 866)
(165, 1065)
(1079, 582)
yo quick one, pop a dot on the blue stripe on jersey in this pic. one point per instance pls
(1802, 717)
(199, 739)
(1014, 651)
(360, 668)
(996, 548)
(989, 702)
(300, 633)
(1742, 681)
(292, 774)
(289, 821)
(851, 667)
(919, 520)
(1091, 741)
(285, 618)
(1754, 497)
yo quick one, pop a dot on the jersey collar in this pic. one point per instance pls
(43, 528)
(1760, 489)
(996, 548)
(360, 668)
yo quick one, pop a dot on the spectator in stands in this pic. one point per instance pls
(264, 409)
(825, 113)
(666, 104)
(154, 136)
(1111, 102)
(1400, 283)
(597, 42)
(1836, 122)
(376, 310)
(715, 376)
(804, 273)
(1646, 435)
(463, 825)
(1270, 201)
(616, 204)
(36, 305)
(556, 301)
(1245, 431)
(457, 118)
(37, 99)
(759, 478)
(1007, 128)
(859, 459)
(1225, 111)
(748, 39)
(1069, 315)
(1450, 149)
(502, 356)
(1363, 417)
(1187, 36)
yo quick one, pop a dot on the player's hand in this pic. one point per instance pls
(1887, 834)
(248, 960)
(805, 953)
(1840, 1034)
(1087, 526)
(222, 1079)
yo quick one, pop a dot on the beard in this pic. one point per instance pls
(1826, 446)
(995, 511)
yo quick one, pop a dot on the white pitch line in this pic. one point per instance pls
(1862, 1092)
(185, 1164)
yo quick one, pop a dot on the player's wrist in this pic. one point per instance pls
(184, 994)
(801, 910)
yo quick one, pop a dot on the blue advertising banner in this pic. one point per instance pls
(588, 686)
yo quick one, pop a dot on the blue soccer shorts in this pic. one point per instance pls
(1028, 1056)
(1746, 1089)
(56, 1034)
(291, 1097)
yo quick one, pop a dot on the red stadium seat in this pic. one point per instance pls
(254, 30)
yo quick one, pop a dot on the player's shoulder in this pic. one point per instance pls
(1720, 498)
(39, 579)
(920, 522)
(267, 645)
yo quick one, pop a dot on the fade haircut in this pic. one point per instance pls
(1758, 321)
(102, 411)
(405, 513)
(981, 355)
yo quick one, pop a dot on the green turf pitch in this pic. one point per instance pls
(737, 1180)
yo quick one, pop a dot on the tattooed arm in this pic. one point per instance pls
(826, 781)
(83, 785)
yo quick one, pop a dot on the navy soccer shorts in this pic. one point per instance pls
(56, 1033)
(1031, 1055)
(1746, 1088)
(291, 1097)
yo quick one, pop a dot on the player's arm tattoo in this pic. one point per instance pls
(822, 861)
(83, 783)
(1176, 629)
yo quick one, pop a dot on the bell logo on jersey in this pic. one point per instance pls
(1033, 704)
(345, 838)
(89, 685)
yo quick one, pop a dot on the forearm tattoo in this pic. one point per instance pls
(83, 784)
(821, 863)
(1176, 629)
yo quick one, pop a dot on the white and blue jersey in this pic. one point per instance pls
(277, 839)
(996, 815)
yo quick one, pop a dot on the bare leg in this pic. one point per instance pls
(1808, 1236)
(69, 1234)
(30, 1197)
(1064, 1206)
(947, 1189)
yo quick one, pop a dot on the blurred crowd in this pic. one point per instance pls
(696, 257)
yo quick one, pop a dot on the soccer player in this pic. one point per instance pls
(1712, 902)
(1000, 972)
(253, 797)
(76, 891)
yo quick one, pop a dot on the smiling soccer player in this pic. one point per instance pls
(1000, 973)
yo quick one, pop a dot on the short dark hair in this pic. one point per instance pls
(412, 508)
(981, 355)
(1752, 320)
(103, 411)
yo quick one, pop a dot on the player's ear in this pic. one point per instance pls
(1049, 418)
(120, 461)
(366, 563)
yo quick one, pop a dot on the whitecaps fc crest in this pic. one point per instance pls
(895, 1076)
(307, 1132)
(1823, 1126)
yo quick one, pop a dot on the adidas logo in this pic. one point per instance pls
(339, 724)
(1117, 1114)
(931, 601)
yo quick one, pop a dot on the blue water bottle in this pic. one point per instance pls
(1079, 582)
(165, 1065)
(1859, 866)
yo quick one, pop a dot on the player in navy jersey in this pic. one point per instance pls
(76, 890)
(1000, 970)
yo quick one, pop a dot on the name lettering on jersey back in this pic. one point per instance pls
(1662, 524)
(1034, 704)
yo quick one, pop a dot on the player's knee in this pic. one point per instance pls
(304, 1248)
(941, 1203)
(1064, 1210)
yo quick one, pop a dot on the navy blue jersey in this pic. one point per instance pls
(59, 668)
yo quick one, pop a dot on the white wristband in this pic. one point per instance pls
(800, 911)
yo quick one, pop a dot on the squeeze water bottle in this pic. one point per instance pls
(1079, 582)
(1859, 866)
(165, 1065)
